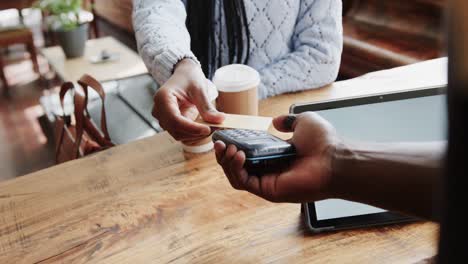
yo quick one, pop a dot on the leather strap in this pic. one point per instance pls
(63, 91)
(80, 106)
(88, 81)
(61, 122)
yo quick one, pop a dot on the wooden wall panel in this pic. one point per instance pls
(384, 34)
(117, 12)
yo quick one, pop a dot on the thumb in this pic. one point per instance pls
(286, 123)
(207, 110)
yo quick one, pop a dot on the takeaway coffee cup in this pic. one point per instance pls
(237, 85)
(206, 144)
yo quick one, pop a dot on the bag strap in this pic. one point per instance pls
(88, 81)
(80, 102)
(63, 91)
(67, 86)
(60, 133)
(95, 134)
(82, 122)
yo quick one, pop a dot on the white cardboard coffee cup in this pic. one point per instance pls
(238, 89)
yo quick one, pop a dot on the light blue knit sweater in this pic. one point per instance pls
(295, 44)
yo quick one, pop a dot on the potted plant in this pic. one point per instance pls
(62, 18)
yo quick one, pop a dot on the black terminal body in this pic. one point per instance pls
(264, 152)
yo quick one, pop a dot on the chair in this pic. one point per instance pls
(16, 4)
(19, 34)
(13, 37)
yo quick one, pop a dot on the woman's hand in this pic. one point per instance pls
(179, 101)
(309, 177)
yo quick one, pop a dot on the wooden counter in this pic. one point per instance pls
(148, 202)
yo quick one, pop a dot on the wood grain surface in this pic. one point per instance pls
(148, 202)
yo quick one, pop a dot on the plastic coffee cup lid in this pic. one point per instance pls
(236, 78)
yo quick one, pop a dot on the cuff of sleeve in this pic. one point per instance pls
(167, 62)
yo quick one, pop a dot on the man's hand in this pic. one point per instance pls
(179, 101)
(308, 178)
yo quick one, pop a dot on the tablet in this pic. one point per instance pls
(415, 115)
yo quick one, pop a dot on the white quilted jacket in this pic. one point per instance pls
(295, 44)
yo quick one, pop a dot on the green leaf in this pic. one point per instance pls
(62, 13)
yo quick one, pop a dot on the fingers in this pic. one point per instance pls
(232, 162)
(184, 126)
(236, 169)
(226, 161)
(167, 111)
(275, 187)
(207, 111)
(224, 156)
(184, 129)
(219, 147)
(237, 162)
(286, 123)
